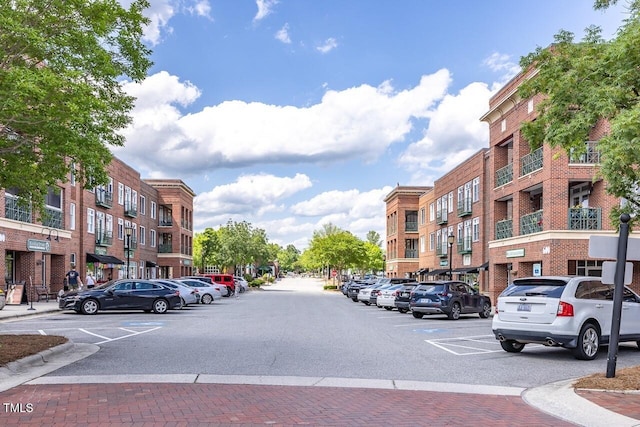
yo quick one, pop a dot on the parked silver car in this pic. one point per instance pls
(188, 295)
(573, 312)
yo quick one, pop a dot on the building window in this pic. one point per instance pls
(476, 189)
(154, 208)
(476, 229)
(432, 212)
(120, 193)
(423, 244)
(72, 259)
(530, 106)
(72, 178)
(423, 216)
(450, 201)
(143, 235)
(120, 229)
(152, 238)
(432, 242)
(143, 205)
(91, 218)
(72, 216)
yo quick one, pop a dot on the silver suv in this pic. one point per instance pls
(573, 312)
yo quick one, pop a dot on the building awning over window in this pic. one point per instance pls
(438, 272)
(422, 271)
(150, 264)
(104, 259)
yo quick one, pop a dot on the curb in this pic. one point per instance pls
(37, 359)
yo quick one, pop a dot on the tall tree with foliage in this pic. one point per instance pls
(61, 98)
(374, 238)
(288, 258)
(206, 248)
(585, 82)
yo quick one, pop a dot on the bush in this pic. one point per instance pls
(256, 283)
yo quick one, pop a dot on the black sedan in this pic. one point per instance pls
(125, 294)
(448, 297)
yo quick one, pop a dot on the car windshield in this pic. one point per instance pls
(543, 288)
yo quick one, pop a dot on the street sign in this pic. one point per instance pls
(609, 272)
(606, 247)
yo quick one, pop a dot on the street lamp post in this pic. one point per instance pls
(450, 241)
(127, 232)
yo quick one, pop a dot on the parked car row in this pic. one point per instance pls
(449, 297)
(149, 295)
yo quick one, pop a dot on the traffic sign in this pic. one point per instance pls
(606, 247)
(609, 272)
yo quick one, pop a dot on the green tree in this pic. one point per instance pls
(373, 237)
(288, 258)
(373, 260)
(583, 83)
(61, 66)
(206, 248)
(338, 249)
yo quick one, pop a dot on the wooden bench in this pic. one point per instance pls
(45, 291)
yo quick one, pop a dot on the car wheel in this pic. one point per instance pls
(454, 314)
(354, 299)
(403, 310)
(511, 346)
(388, 308)
(588, 343)
(417, 315)
(206, 299)
(367, 303)
(89, 306)
(486, 310)
(160, 306)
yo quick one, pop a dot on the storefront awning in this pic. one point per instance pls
(438, 272)
(466, 270)
(150, 264)
(104, 259)
(422, 271)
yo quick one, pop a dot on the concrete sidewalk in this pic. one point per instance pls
(253, 400)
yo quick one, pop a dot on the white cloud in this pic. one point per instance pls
(328, 45)
(455, 131)
(249, 195)
(265, 7)
(200, 8)
(502, 63)
(359, 122)
(159, 13)
(283, 34)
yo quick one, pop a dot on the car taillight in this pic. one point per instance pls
(565, 309)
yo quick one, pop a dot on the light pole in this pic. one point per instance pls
(127, 232)
(450, 240)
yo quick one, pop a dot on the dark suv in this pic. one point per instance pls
(448, 297)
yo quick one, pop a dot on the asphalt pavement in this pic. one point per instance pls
(31, 395)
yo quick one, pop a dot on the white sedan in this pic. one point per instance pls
(387, 297)
(208, 293)
(188, 295)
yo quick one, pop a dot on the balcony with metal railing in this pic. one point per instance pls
(464, 206)
(441, 216)
(504, 175)
(165, 248)
(53, 218)
(504, 229)
(104, 238)
(13, 210)
(585, 218)
(165, 222)
(464, 245)
(410, 253)
(531, 162)
(531, 223)
(411, 226)
(130, 208)
(104, 198)
(441, 250)
(590, 156)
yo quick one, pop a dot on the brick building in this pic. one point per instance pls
(510, 210)
(111, 231)
(402, 230)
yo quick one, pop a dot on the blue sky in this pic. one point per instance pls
(291, 114)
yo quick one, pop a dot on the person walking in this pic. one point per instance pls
(236, 290)
(89, 280)
(73, 279)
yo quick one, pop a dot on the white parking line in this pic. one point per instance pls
(91, 333)
(127, 336)
(449, 345)
(41, 332)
